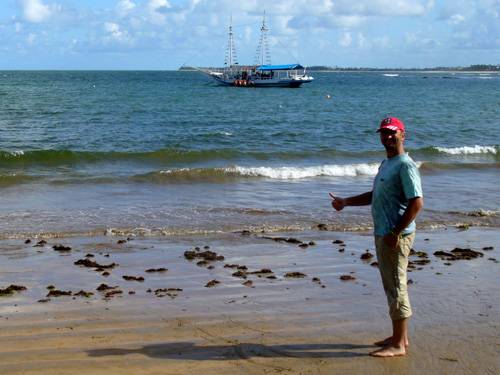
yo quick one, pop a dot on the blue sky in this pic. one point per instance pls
(164, 34)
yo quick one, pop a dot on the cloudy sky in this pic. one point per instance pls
(164, 34)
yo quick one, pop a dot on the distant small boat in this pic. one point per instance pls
(390, 75)
(259, 75)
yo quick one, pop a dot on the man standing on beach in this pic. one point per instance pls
(396, 199)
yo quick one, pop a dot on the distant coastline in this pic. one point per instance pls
(479, 68)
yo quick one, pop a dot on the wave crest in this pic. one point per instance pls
(275, 173)
(469, 150)
(293, 173)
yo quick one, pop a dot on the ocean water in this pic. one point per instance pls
(171, 153)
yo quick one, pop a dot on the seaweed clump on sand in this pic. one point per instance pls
(264, 272)
(347, 277)
(104, 287)
(291, 240)
(322, 226)
(58, 293)
(237, 266)
(212, 283)
(295, 275)
(109, 291)
(86, 262)
(133, 278)
(241, 274)
(459, 254)
(317, 280)
(61, 248)
(366, 256)
(170, 292)
(206, 257)
(83, 293)
(11, 289)
(152, 270)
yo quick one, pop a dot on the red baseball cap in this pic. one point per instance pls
(392, 123)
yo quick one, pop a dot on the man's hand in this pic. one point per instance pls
(337, 202)
(391, 240)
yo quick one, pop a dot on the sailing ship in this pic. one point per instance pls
(262, 73)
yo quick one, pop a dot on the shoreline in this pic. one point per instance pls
(286, 324)
(480, 219)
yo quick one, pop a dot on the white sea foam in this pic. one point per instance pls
(390, 75)
(172, 171)
(468, 150)
(292, 173)
(17, 153)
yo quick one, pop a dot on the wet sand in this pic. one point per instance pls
(288, 312)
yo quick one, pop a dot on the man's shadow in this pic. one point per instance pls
(190, 350)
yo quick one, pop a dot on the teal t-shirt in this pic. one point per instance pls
(397, 181)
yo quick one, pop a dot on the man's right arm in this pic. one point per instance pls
(358, 200)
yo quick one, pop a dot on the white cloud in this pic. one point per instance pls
(349, 21)
(382, 41)
(456, 19)
(419, 41)
(157, 8)
(347, 13)
(379, 7)
(31, 38)
(116, 33)
(363, 42)
(123, 7)
(474, 24)
(313, 29)
(35, 10)
(346, 39)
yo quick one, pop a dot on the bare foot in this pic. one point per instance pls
(388, 341)
(384, 342)
(389, 351)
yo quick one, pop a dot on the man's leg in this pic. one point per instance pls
(394, 263)
(397, 330)
(397, 345)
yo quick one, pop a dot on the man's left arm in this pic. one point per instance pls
(412, 188)
(415, 205)
(411, 212)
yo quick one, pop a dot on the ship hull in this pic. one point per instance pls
(292, 83)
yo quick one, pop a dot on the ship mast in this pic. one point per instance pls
(231, 58)
(263, 55)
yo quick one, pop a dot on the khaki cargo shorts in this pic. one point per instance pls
(392, 264)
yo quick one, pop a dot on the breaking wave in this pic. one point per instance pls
(176, 156)
(469, 150)
(275, 173)
(293, 173)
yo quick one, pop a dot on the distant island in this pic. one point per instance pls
(324, 68)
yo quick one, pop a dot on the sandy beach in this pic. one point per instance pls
(263, 319)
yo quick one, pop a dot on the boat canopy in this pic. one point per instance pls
(279, 67)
